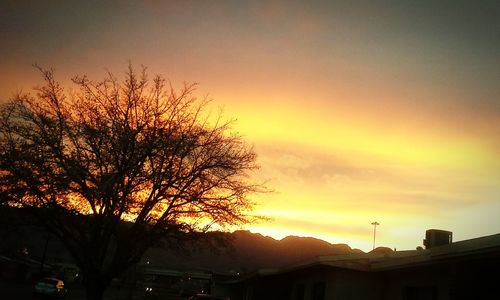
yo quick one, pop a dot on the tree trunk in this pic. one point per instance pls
(94, 288)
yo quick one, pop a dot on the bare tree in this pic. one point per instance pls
(113, 166)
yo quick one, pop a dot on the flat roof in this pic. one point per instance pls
(375, 262)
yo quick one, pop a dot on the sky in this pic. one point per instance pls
(359, 111)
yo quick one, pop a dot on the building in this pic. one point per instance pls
(443, 271)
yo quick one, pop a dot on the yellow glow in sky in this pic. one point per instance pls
(358, 111)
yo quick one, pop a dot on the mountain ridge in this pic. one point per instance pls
(248, 252)
(244, 251)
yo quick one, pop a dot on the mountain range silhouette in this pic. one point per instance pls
(245, 251)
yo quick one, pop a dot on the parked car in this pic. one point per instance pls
(149, 294)
(50, 287)
(206, 297)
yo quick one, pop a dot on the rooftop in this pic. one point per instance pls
(376, 261)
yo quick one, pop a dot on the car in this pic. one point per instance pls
(149, 294)
(50, 287)
(206, 297)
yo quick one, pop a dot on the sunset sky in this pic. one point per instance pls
(359, 111)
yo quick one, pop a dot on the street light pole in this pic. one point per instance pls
(374, 231)
(44, 253)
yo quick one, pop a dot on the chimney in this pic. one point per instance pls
(437, 237)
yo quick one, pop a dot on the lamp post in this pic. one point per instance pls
(374, 231)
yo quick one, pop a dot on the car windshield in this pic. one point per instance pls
(49, 281)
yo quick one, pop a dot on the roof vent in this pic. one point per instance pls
(436, 237)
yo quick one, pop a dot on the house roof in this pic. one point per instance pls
(176, 273)
(375, 262)
(463, 250)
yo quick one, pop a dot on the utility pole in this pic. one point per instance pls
(374, 231)
(44, 253)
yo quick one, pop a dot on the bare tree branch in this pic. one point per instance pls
(117, 165)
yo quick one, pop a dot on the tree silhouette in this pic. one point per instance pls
(114, 166)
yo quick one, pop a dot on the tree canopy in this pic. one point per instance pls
(135, 150)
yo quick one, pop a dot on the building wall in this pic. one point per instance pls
(420, 283)
(313, 284)
(354, 285)
(476, 278)
(464, 278)
(341, 284)
(455, 278)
